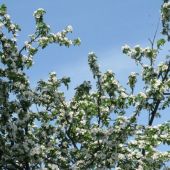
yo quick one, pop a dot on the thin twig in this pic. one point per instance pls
(153, 40)
(155, 34)
(24, 47)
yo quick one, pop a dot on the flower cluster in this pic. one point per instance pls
(165, 13)
(137, 53)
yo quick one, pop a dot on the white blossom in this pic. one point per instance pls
(143, 95)
(69, 28)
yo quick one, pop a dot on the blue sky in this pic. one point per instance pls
(103, 26)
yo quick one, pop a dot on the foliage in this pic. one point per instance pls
(92, 130)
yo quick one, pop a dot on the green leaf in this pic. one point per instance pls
(77, 41)
(160, 43)
(3, 9)
(66, 81)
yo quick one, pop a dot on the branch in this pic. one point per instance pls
(28, 43)
(167, 94)
(67, 132)
(153, 113)
(99, 99)
(154, 37)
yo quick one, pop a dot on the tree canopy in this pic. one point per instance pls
(40, 129)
